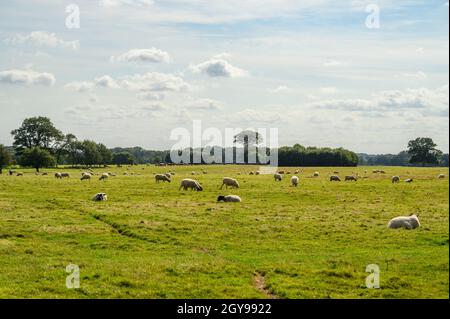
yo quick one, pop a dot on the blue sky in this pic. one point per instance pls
(137, 69)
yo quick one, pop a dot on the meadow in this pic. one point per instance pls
(151, 240)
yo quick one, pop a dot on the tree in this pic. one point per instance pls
(423, 151)
(91, 155)
(36, 132)
(5, 158)
(63, 145)
(105, 154)
(248, 138)
(123, 159)
(37, 158)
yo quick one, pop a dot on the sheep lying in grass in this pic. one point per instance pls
(350, 178)
(294, 181)
(86, 176)
(395, 179)
(100, 197)
(316, 174)
(409, 180)
(334, 178)
(229, 182)
(104, 177)
(229, 199)
(190, 184)
(408, 222)
(278, 177)
(162, 178)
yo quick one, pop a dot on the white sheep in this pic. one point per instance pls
(65, 175)
(334, 178)
(395, 179)
(350, 178)
(294, 181)
(86, 176)
(409, 180)
(19, 174)
(278, 177)
(408, 222)
(316, 174)
(104, 177)
(162, 177)
(58, 175)
(229, 199)
(190, 184)
(229, 182)
(441, 176)
(100, 197)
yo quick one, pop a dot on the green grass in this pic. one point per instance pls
(152, 241)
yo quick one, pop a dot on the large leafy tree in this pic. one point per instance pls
(5, 158)
(105, 154)
(63, 145)
(122, 158)
(423, 151)
(36, 132)
(248, 139)
(91, 154)
(37, 158)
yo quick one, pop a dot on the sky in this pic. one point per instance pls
(364, 75)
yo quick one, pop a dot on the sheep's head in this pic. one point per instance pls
(221, 198)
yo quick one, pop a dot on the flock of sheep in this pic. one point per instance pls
(407, 222)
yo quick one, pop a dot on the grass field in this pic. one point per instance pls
(152, 241)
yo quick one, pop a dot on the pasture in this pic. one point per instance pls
(151, 240)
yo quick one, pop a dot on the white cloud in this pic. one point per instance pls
(150, 96)
(107, 82)
(329, 90)
(27, 77)
(118, 3)
(417, 75)
(156, 82)
(153, 55)
(255, 117)
(333, 63)
(42, 38)
(218, 68)
(205, 105)
(280, 89)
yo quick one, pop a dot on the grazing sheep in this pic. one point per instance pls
(334, 178)
(316, 174)
(58, 175)
(11, 172)
(408, 222)
(395, 179)
(297, 172)
(375, 171)
(409, 180)
(251, 173)
(441, 176)
(190, 184)
(382, 172)
(229, 182)
(278, 177)
(168, 175)
(104, 177)
(86, 176)
(281, 172)
(335, 172)
(204, 172)
(162, 177)
(44, 174)
(100, 197)
(193, 173)
(258, 173)
(229, 199)
(294, 181)
(65, 175)
(350, 178)
(19, 174)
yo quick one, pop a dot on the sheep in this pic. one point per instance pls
(316, 174)
(294, 181)
(100, 197)
(104, 177)
(351, 178)
(11, 172)
(281, 172)
(190, 184)
(58, 175)
(441, 176)
(258, 173)
(334, 178)
(65, 175)
(395, 179)
(375, 171)
(251, 173)
(408, 222)
(382, 172)
(229, 199)
(86, 176)
(19, 174)
(229, 182)
(297, 172)
(162, 177)
(278, 177)
(168, 175)
(204, 172)
(335, 172)
(44, 174)
(193, 173)
(409, 180)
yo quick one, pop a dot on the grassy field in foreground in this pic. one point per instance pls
(152, 241)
